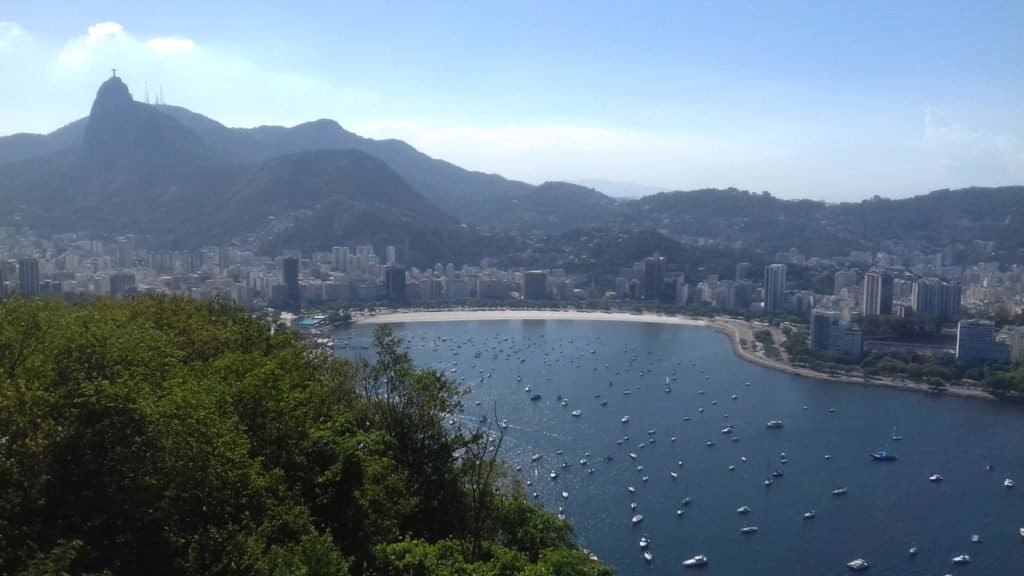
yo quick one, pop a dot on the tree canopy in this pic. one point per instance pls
(167, 436)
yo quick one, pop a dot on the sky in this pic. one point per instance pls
(835, 100)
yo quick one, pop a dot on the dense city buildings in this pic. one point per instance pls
(877, 294)
(774, 287)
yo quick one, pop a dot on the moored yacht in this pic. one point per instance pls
(1008, 482)
(698, 560)
(858, 565)
(935, 478)
(774, 424)
(637, 518)
(962, 559)
(809, 515)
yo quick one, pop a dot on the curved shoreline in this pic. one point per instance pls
(728, 327)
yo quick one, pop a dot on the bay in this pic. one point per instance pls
(889, 507)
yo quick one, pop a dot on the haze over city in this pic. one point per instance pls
(789, 97)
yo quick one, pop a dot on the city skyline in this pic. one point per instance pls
(710, 108)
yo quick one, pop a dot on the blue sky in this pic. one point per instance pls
(822, 99)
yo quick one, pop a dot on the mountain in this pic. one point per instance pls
(183, 178)
(137, 169)
(455, 189)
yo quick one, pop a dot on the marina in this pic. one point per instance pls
(817, 466)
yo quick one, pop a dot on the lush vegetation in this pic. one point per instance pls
(166, 436)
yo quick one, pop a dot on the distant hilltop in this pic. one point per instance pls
(182, 179)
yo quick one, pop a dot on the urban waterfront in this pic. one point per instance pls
(678, 382)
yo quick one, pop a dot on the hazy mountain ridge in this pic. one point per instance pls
(136, 169)
(185, 179)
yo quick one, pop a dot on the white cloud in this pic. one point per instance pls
(9, 31)
(539, 152)
(964, 150)
(170, 45)
(100, 39)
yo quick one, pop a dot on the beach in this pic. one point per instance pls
(479, 315)
(738, 331)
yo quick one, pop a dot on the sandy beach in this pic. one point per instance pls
(738, 331)
(478, 315)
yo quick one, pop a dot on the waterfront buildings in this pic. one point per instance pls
(976, 343)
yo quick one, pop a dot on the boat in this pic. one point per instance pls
(503, 424)
(527, 389)
(732, 467)
(976, 539)
(631, 489)
(839, 491)
(632, 455)
(637, 518)
(743, 510)
(1008, 482)
(895, 437)
(553, 475)
(565, 495)
(673, 475)
(577, 412)
(644, 541)
(962, 559)
(774, 424)
(696, 561)
(648, 556)
(734, 397)
(564, 403)
(883, 456)
(935, 478)
(536, 457)
(624, 419)
(1022, 532)
(768, 481)
(687, 501)
(778, 474)
(748, 530)
(679, 512)
(912, 551)
(727, 430)
(535, 397)
(858, 565)
(633, 505)
(809, 515)
(709, 443)
(583, 461)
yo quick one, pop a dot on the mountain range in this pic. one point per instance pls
(182, 180)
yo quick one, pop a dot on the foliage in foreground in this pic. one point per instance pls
(165, 436)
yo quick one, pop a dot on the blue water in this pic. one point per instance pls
(890, 506)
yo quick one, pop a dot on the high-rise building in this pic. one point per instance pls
(290, 277)
(975, 342)
(774, 287)
(830, 334)
(682, 291)
(877, 296)
(654, 277)
(844, 279)
(821, 328)
(391, 258)
(394, 283)
(28, 277)
(1017, 345)
(535, 285)
(743, 270)
(121, 284)
(933, 297)
(3, 282)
